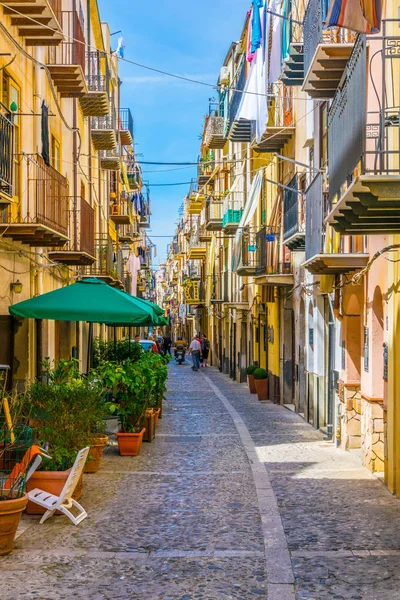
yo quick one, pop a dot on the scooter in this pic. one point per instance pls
(180, 355)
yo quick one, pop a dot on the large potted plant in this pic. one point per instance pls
(261, 383)
(62, 408)
(250, 379)
(160, 367)
(130, 386)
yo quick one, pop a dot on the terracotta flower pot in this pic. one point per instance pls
(130, 443)
(262, 388)
(97, 446)
(252, 385)
(10, 516)
(52, 482)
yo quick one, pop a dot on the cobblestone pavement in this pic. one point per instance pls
(235, 499)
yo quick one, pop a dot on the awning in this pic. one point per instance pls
(89, 300)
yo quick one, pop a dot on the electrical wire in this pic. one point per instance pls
(143, 66)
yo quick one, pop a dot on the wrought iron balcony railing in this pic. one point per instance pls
(71, 51)
(126, 119)
(215, 132)
(79, 249)
(205, 170)
(43, 216)
(293, 216)
(364, 148)
(81, 226)
(270, 256)
(315, 213)
(109, 263)
(280, 127)
(214, 214)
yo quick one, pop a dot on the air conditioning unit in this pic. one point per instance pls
(224, 76)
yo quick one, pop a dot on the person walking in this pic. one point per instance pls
(167, 344)
(194, 350)
(205, 350)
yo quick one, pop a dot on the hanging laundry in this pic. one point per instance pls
(120, 47)
(253, 105)
(286, 29)
(249, 53)
(256, 29)
(274, 42)
(45, 134)
(363, 16)
(133, 268)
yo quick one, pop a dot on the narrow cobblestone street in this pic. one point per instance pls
(234, 499)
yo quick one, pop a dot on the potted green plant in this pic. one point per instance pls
(160, 366)
(261, 383)
(130, 385)
(63, 408)
(250, 379)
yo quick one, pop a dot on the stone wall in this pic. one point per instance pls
(350, 411)
(372, 435)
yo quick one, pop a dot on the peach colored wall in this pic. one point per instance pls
(375, 311)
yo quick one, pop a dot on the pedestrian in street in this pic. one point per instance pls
(167, 344)
(194, 350)
(205, 350)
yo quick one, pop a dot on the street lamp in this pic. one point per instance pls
(125, 250)
(16, 287)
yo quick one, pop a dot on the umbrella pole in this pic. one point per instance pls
(39, 349)
(90, 347)
(115, 342)
(129, 342)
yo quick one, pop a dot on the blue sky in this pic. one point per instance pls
(188, 38)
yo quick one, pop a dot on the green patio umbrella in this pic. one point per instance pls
(89, 300)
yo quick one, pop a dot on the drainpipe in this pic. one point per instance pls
(89, 146)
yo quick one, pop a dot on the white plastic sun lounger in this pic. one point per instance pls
(64, 502)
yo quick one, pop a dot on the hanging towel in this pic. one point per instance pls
(286, 29)
(253, 106)
(363, 16)
(274, 42)
(249, 53)
(45, 134)
(120, 48)
(256, 29)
